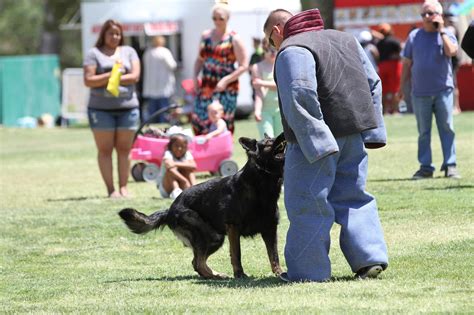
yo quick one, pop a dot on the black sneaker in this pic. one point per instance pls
(451, 172)
(284, 277)
(371, 272)
(422, 174)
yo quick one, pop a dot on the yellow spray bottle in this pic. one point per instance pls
(114, 80)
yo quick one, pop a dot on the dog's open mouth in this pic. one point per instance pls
(279, 150)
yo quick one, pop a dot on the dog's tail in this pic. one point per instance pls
(141, 223)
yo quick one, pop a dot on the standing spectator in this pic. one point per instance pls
(256, 57)
(113, 119)
(267, 111)
(158, 77)
(219, 50)
(427, 58)
(330, 99)
(365, 39)
(390, 68)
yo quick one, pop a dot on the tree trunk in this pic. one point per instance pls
(50, 37)
(326, 7)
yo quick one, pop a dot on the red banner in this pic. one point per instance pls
(369, 3)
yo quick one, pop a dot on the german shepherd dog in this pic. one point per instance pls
(243, 204)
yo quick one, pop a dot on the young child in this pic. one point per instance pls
(215, 112)
(177, 168)
(267, 111)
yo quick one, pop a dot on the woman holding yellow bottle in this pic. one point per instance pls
(111, 71)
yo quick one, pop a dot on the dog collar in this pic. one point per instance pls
(260, 168)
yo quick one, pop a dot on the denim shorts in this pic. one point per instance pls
(112, 120)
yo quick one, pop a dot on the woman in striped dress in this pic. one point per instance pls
(219, 51)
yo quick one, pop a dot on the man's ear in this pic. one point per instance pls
(250, 145)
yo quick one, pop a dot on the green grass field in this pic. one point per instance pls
(64, 249)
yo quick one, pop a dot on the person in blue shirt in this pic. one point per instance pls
(427, 59)
(331, 110)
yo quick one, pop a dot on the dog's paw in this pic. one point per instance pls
(220, 276)
(240, 275)
(216, 276)
(277, 271)
(213, 275)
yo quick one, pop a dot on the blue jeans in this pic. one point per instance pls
(318, 194)
(154, 105)
(127, 119)
(442, 107)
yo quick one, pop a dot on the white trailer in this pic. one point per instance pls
(182, 21)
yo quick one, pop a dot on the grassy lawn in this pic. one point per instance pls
(63, 248)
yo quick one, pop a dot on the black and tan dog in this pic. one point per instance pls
(244, 204)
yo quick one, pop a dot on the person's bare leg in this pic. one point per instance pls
(104, 141)
(190, 177)
(175, 175)
(170, 182)
(394, 104)
(123, 145)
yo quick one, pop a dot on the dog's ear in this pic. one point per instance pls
(280, 143)
(265, 136)
(250, 145)
(280, 138)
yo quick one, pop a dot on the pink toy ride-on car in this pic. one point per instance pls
(212, 156)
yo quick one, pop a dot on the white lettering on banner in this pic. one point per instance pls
(373, 15)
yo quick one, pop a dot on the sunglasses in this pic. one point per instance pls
(214, 18)
(428, 13)
(270, 40)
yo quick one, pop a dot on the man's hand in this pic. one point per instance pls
(221, 85)
(438, 22)
(258, 116)
(400, 94)
(257, 83)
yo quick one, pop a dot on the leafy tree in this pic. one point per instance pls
(20, 26)
(326, 7)
(33, 27)
(56, 12)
